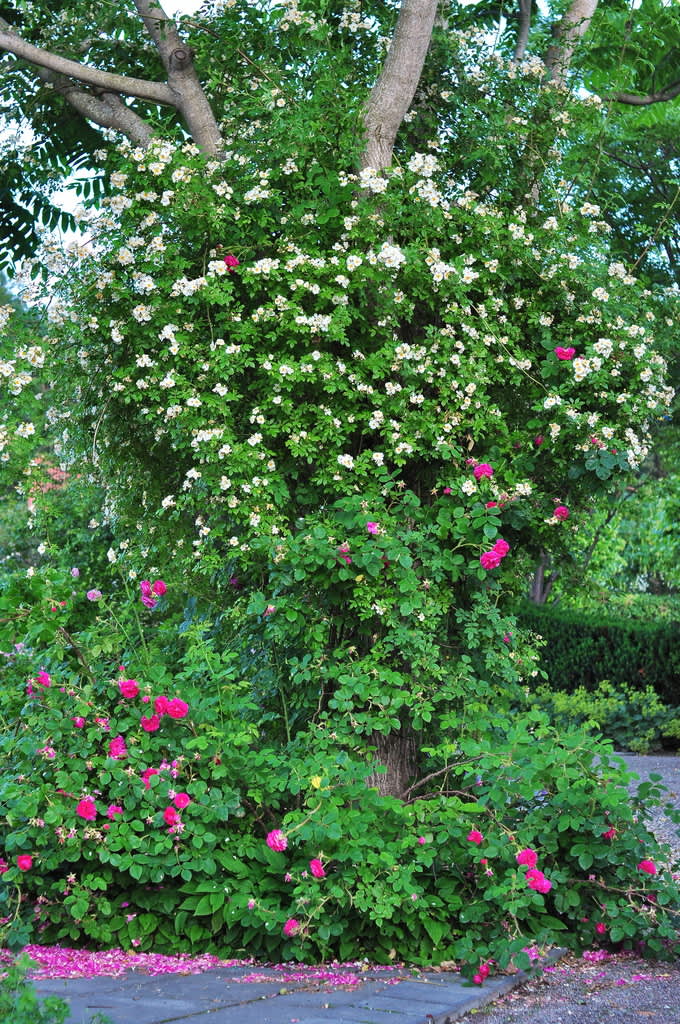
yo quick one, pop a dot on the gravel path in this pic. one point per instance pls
(600, 988)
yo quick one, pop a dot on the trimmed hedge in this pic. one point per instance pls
(583, 648)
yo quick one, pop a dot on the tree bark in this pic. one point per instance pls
(393, 93)
(523, 29)
(398, 753)
(541, 585)
(568, 34)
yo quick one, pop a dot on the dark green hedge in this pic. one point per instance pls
(584, 648)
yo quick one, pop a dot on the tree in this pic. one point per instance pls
(345, 339)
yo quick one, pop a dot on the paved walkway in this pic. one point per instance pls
(221, 997)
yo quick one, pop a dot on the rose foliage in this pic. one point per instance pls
(332, 412)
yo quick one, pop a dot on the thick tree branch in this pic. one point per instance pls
(392, 94)
(568, 34)
(523, 29)
(669, 92)
(106, 81)
(107, 109)
(177, 59)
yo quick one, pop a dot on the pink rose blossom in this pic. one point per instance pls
(251, 904)
(537, 881)
(79, 722)
(128, 687)
(181, 800)
(150, 724)
(276, 840)
(161, 705)
(491, 504)
(170, 816)
(561, 512)
(447, 490)
(177, 708)
(490, 560)
(317, 868)
(291, 926)
(477, 979)
(372, 527)
(146, 776)
(231, 262)
(149, 602)
(421, 840)
(87, 809)
(483, 469)
(648, 866)
(117, 748)
(145, 588)
(43, 678)
(565, 353)
(601, 928)
(270, 609)
(528, 857)
(611, 833)
(4, 866)
(75, 572)
(93, 595)
(158, 587)
(113, 810)
(501, 547)
(475, 837)
(24, 862)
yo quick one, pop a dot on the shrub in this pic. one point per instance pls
(582, 648)
(632, 719)
(19, 1003)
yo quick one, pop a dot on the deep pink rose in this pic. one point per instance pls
(161, 705)
(149, 602)
(178, 708)
(24, 862)
(87, 809)
(128, 687)
(611, 833)
(4, 866)
(475, 837)
(79, 722)
(158, 587)
(601, 928)
(145, 588)
(317, 869)
(181, 800)
(291, 926)
(43, 678)
(170, 816)
(117, 748)
(501, 547)
(146, 776)
(276, 840)
(561, 512)
(565, 353)
(648, 866)
(483, 469)
(113, 810)
(528, 857)
(372, 527)
(490, 560)
(231, 262)
(537, 881)
(150, 724)
(93, 595)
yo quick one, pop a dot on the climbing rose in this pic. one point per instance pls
(648, 866)
(561, 512)
(483, 469)
(158, 587)
(145, 588)
(161, 705)
(565, 353)
(276, 840)
(181, 800)
(170, 816)
(501, 547)
(372, 527)
(528, 857)
(611, 833)
(93, 595)
(128, 687)
(150, 724)
(177, 708)
(475, 837)
(87, 809)
(536, 880)
(43, 678)
(117, 748)
(24, 862)
(601, 928)
(79, 722)
(146, 776)
(231, 262)
(490, 560)
(291, 926)
(113, 810)
(316, 867)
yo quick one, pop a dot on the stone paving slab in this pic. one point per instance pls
(218, 997)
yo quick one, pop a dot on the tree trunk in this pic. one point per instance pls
(398, 753)
(541, 585)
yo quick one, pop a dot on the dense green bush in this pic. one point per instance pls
(632, 719)
(582, 648)
(19, 1003)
